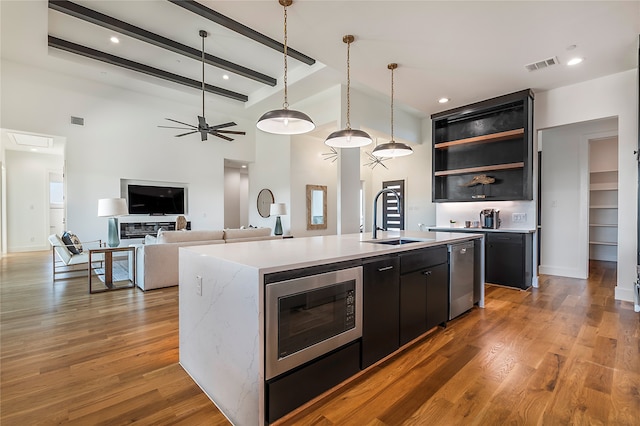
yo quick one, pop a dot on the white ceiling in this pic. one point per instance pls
(464, 50)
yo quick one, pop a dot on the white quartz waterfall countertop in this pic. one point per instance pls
(277, 255)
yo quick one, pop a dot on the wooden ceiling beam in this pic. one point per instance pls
(100, 19)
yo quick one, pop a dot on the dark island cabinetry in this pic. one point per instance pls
(424, 291)
(484, 151)
(381, 292)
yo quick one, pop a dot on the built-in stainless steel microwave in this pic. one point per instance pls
(308, 317)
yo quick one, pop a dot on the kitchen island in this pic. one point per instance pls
(222, 305)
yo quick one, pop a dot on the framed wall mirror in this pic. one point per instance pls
(265, 199)
(316, 207)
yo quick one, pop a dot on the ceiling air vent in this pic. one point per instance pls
(542, 64)
(77, 120)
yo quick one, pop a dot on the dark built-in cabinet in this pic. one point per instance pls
(424, 291)
(381, 292)
(493, 138)
(508, 259)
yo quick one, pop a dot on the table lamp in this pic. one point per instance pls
(111, 208)
(278, 209)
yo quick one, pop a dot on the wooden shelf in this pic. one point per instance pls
(494, 137)
(494, 167)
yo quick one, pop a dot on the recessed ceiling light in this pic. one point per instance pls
(225, 77)
(574, 61)
(34, 150)
(443, 100)
(244, 166)
(114, 39)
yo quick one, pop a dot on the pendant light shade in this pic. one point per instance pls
(392, 148)
(348, 138)
(285, 121)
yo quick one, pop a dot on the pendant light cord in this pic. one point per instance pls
(348, 86)
(285, 105)
(392, 68)
(203, 36)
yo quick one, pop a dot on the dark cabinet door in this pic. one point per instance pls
(505, 260)
(437, 295)
(413, 305)
(380, 314)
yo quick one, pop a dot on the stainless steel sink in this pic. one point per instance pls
(395, 241)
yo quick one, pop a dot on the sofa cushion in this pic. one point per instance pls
(233, 234)
(185, 236)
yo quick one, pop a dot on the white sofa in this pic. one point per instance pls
(157, 260)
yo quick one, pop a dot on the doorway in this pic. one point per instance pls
(565, 210)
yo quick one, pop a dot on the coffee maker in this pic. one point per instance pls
(490, 218)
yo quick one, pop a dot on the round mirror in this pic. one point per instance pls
(265, 199)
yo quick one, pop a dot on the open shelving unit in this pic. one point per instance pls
(492, 138)
(603, 200)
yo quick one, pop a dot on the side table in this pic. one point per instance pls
(115, 268)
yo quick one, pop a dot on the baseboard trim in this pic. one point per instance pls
(562, 272)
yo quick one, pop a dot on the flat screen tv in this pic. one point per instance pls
(155, 200)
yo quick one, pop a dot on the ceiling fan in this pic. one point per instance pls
(203, 128)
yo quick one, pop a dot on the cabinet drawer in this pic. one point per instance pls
(504, 237)
(423, 258)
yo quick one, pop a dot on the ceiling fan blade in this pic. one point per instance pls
(188, 133)
(180, 122)
(221, 136)
(172, 127)
(231, 132)
(220, 126)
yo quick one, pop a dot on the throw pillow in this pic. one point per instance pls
(72, 242)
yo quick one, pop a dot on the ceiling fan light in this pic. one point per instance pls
(285, 122)
(348, 138)
(392, 149)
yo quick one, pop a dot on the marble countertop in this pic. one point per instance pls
(461, 229)
(291, 253)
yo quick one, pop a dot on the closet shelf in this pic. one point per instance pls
(604, 225)
(493, 137)
(604, 206)
(603, 243)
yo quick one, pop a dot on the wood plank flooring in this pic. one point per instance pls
(566, 353)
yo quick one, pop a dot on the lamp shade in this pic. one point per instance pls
(348, 138)
(112, 207)
(278, 209)
(285, 122)
(392, 149)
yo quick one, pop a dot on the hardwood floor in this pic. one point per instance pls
(566, 353)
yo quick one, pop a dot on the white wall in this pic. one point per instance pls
(120, 139)
(236, 193)
(28, 193)
(564, 248)
(611, 96)
(309, 167)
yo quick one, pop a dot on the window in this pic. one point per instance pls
(392, 219)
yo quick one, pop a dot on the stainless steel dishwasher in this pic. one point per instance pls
(461, 258)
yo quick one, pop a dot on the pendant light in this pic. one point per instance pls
(285, 121)
(348, 138)
(392, 148)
